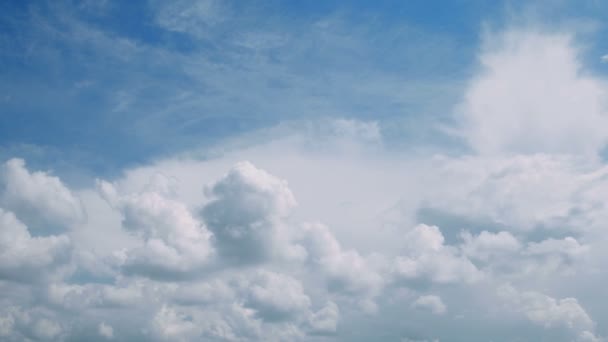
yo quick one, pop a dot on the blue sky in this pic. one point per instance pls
(76, 73)
(303, 170)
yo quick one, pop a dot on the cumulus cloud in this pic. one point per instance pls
(506, 255)
(19, 324)
(488, 245)
(276, 296)
(427, 258)
(27, 258)
(46, 329)
(549, 312)
(531, 93)
(431, 303)
(174, 325)
(246, 215)
(325, 321)
(346, 270)
(245, 305)
(555, 255)
(223, 321)
(39, 199)
(105, 330)
(523, 193)
(174, 242)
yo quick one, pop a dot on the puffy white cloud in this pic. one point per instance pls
(431, 303)
(347, 272)
(27, 258)
(204, 293)
(549, 312)
(232, 302)
(427, 258)
(531, 93)
(522, 193)
(229, 322)
(39, 199)
(6, 325)
(567, 246)
(565, 255)
(250, 304)
(505, 255)
(105, 330)
(174, 325)
(325, 321)
(246, 216)
(19, 324)
(587, 336)
(487, 245)
(46, 329)
(174, 242)
(276, 296)
(77, 297)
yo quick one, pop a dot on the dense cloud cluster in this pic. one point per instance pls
(239, 266)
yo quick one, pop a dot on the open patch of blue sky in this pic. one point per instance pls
(117, 83)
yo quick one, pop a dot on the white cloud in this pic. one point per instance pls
(534, 96)
(565, 256)
(487, 245)
(174, 325)
(522, 193)
(325, 321)
(174, 242)
(331, 283)
(547, 311)
(567, 246)
(431, 303)
(188, 17)
(40, 200)
(347, 271)
(27, 258)
(505, 255)
(105, 330)
(229, 321)
(426, 257)
(46, 329)
(276, 296)
(246, 215)
(354, 130)
(19, 324)
(204, 293)
(587, 336)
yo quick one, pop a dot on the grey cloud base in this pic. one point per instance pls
(239, 266)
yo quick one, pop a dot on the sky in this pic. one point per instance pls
(410, 171)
